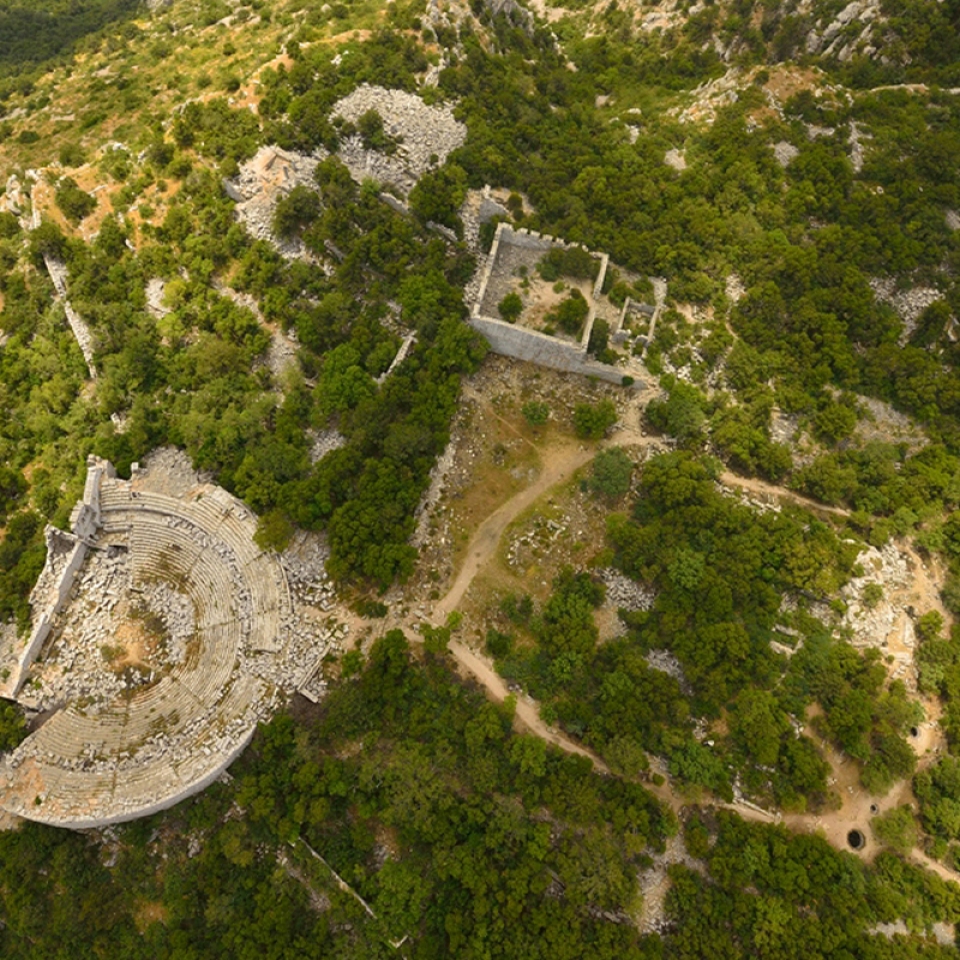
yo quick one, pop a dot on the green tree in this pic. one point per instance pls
(13, 726)
(680, 414)
(274, 531)
(835, 422)
(372, 133)
(591, 421)
(611, 473)
(439, 195)
(295, 211)
(897, 829)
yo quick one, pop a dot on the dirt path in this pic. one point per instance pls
(857, 807)
(558, 466)
(527, 713)
(470, 393)
(755, 485)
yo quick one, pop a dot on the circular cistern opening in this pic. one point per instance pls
(874, 809)
(914, 732)
(856, 839)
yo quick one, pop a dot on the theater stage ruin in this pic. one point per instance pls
(162, 635)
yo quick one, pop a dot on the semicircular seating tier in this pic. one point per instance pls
(162, 740)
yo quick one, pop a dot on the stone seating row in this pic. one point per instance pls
(196, 572)
(208, 518)
(206, 513)
(215, 512)
(266, 578)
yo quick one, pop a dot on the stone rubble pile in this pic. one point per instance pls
(169, 471)
(735, 288)
(756, 502)
(530, 545)
(263, 180)
(676, 159)
(154, 290)
(857, 136)
(666, 662)
(77, 666)
(887, 568)
(624, 593)
(176, 614)
(304, 562)
(429, 134)
(908, 304)
(785, 153)
(324, 442)
(654, 883)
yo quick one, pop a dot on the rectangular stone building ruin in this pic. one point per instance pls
(535, 346)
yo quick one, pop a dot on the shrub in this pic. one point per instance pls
(499, 644)
(274, 531)
(591, 421)
(570, 314)
(295, 211)
(71, 155)
(536, 413)
(510, 307)
(872, 595)
(567, 262)
(374, 137)
(75, 204)
(612, 470)
(896, 829)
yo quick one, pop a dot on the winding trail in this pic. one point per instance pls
(755, 485)
(561, 465)
(527, 712)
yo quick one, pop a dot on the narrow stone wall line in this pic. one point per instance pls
(58, 274)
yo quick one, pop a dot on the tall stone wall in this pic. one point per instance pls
(58, 274)
(523, 344)
(65, 556)
(85, 519)
(529, 240)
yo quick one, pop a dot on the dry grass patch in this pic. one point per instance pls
(787, 80)
(148, 912)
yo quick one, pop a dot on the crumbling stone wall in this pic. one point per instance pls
(536, 347)
(65, 555)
